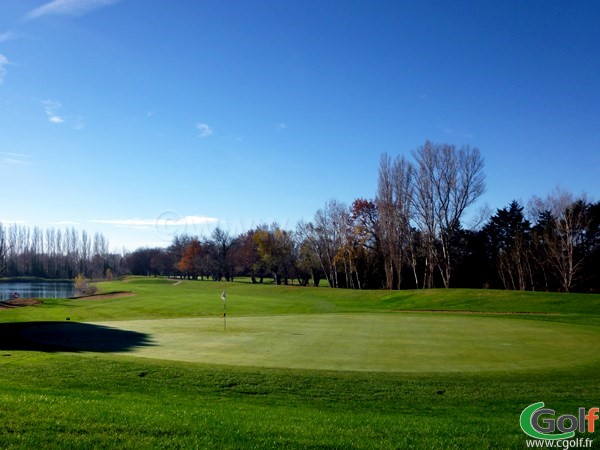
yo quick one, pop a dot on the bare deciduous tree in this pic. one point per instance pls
(325, 238)
(394, 200)
(561, 233)
(448, 180)
(3, 250)
(328, 226)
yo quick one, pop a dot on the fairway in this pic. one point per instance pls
(393, 342)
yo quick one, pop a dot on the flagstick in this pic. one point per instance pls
(224, 298)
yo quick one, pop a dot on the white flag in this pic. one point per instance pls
(223, 296)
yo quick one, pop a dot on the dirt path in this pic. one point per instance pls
(17, 303)
(105, 296)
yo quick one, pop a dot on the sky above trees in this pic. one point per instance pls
(144, 119)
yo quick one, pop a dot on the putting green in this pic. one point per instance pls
(367, 342)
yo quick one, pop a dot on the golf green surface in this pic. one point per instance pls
(392, 342)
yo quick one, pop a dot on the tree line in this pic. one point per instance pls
(56, 253)
(410, 235)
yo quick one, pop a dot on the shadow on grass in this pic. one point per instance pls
(69, 337)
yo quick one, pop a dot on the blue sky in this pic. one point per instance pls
(141, 119)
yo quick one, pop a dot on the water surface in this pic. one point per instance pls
(58, 289)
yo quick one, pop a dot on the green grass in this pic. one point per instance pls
(366, 342)
(358, 373)
(161, 298)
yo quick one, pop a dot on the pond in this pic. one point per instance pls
(51, 289)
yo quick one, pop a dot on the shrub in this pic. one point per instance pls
(83, 286)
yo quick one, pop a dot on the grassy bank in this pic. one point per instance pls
(60, 390)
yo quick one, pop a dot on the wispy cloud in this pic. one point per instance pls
(12, 222)
(68, 7)
(3, 63)
(78, 123)
(450, 131)
(14, 159)
(56, 119)
(64, 222)
(7, 36)
(204, 130)
(51, 107)
(161, 221)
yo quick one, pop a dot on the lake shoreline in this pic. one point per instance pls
(34, 280)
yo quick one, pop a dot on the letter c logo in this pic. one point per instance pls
(529, 424)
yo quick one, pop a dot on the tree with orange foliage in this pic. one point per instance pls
(191, 262)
